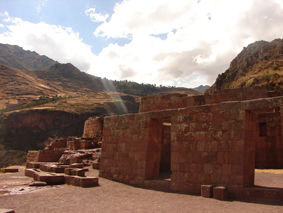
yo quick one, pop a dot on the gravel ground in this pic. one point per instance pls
(116, 197)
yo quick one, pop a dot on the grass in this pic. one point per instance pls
(40, 101)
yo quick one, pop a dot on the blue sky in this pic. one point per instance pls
(168, 42)
(65, 13)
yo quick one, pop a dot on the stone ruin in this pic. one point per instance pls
(204, 144)
(65, 160)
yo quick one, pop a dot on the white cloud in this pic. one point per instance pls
(57, 42)
(202, 37)
(96, 17)
(198, 39)
(1, 25)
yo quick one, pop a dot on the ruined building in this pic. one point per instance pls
(181, 143)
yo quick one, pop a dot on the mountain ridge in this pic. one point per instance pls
(17, 57)
(260, 64)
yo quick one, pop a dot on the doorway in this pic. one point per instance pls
(263, 136)
(158, 162)
(165, 155)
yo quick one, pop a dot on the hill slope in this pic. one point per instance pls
(258, 65)
(17, 57)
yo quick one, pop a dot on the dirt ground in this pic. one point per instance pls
(116, 197)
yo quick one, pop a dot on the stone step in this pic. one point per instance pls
(81, 181)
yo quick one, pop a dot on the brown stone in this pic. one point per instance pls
(50, 179)
(33, 165)
(206, 191)
(30, 172)
(38, 183)
(220, 193)
(77, 165)
(68, 171)
(10, 170)
(95, 165)
(88, 181)
(79, 172)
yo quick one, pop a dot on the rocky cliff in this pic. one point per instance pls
(28, 129)
(258, 65)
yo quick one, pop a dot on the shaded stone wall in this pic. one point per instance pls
(265, 118)
(268, 143)
(124, 148)
(208, 147)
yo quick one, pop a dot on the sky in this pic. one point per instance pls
(183, 43)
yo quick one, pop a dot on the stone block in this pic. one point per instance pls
(76, 165)
(30, 173)
(88, 181)
(38, 183)
(33, 165)
(49, 155)
(220, 193)
(95, 165)
(10, 170)
(47, 167)
(69, 180)
(57, 169)
(68, 171)
(75, 159)
(51, 179)
(206, 191)
(79, 172)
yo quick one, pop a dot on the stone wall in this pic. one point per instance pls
(93, 127)
(205, 150)
(173, 101)
(124, 148)
(265, 132)
(210, 144)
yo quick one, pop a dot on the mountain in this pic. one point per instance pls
(258, 65)
(29, 79)
(18, 87)
(40, 98)
(201, 88)
(17, 57)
